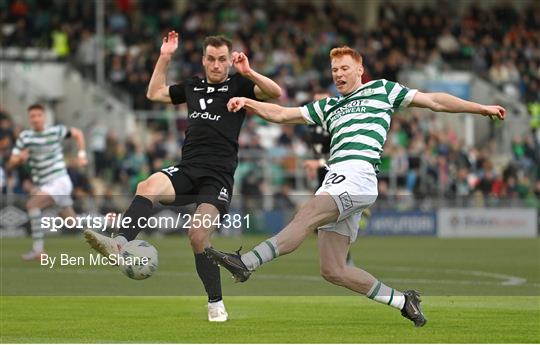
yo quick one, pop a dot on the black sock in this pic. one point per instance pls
(140, 207)
(209, 273)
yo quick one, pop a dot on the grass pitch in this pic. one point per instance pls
(474, 291)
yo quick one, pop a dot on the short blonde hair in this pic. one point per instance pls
(345, 50)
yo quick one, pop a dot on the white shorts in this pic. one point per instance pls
(353, 185)
(60, 190)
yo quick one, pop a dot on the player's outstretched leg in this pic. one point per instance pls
(333, 248)
(318, 211)
(156, 188)
(207, 269)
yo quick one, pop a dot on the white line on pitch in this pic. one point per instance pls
(299, 277)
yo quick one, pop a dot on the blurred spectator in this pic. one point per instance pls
(87, 53)
(282, 198)
(448, 45)
(251, 191)
(97, 143)
(286, 42)
(60, 41)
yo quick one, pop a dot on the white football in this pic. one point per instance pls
(138, 259)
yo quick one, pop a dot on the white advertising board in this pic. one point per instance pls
(481, 222)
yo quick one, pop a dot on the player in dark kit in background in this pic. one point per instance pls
(209, 155)
(319, 139)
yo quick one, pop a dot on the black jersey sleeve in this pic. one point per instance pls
(247, 87)
(177, 93)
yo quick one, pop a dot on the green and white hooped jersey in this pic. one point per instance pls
(359, 122)
(46, 158)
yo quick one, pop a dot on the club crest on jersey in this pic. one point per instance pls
(366, 92)
(224, 88)
(223, 194)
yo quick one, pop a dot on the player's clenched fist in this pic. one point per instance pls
(241, 62)
(236, 103)
(170, 43)
(494, 111)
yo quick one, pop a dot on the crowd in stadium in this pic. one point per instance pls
(291, 45)
(427, 158)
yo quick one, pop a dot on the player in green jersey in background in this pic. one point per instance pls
(42, 147)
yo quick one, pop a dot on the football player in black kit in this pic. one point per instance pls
(209, 155)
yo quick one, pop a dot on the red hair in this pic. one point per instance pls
(345, 50)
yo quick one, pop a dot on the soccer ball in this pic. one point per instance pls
(138, 259)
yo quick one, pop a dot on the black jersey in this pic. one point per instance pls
(319, 139)
(212, 132)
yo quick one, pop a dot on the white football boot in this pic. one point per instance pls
(102, 244)
(32, 255)
(217, 312)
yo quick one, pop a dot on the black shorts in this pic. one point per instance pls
(194, 185)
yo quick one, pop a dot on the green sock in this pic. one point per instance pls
(264, 252)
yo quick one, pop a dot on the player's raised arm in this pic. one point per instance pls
(443, 102)
(78, 136)
(158, 90)
(265, 88)
(268, 111)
